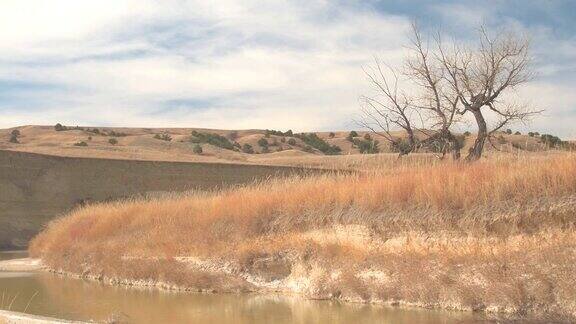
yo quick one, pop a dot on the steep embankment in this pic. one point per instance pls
(36, 188)
(496, 236)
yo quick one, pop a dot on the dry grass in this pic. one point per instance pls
(497, 235)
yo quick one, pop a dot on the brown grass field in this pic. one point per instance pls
(496, 236)
(139, 144)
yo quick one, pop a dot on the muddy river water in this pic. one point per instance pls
(74, 299)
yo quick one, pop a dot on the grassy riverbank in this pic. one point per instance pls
(497, 235)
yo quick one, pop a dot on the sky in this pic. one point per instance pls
(291, 64)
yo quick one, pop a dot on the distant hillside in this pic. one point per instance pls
(225, 146)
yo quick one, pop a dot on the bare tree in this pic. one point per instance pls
(451, 83)
(437, 100)
(389, 109)
(433, 106)
(480, 76)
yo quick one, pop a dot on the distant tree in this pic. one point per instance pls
(13, 139)
(163, 137)
(313, 140)
(551, 140)
(263, 142)
(115, 134)
(197, 149)
(331, 135)
(59, 127)
(247, 148)
(212, 139)
(467, 133)
(81, 144)
(351, 136)
(15, 132)
(509, 131)
(291, 142)
(367, 146)
(517, 133)
(113, 141)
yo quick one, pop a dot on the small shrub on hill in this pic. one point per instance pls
(163, 137)
(81, 144)
(351, 136)
(331, 135)
(291, 141)
(113, 141)
(367, 146)
(116, 134)
(263, 142)
(467, 133)
(247, 148)
(197, 149)
(278, 133)
(509, 131)
(321, 145)
(212, 139)
(59, 127)
(14, 139)
(14, 136)
(552, 141)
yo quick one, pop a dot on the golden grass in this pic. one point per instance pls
(496, 235)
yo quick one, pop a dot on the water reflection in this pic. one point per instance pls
(84, 300)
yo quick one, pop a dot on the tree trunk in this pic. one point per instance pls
(411, 140)
(475, 151)
(453, 144)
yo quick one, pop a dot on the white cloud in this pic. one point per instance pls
(253, 64)
(274, 64)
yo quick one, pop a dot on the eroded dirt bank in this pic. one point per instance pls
(497, 237)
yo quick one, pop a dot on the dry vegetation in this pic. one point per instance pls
(140, 144)
(497, 235)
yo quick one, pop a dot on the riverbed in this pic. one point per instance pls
(47, 294)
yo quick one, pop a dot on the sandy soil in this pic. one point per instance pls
(20, 265)
(7, 317)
